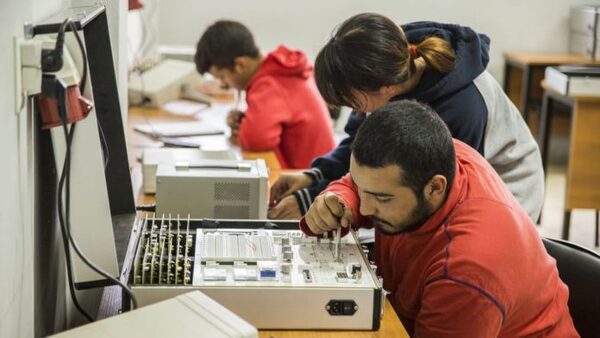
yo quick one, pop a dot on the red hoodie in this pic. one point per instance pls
(285, 111)
(476, 268)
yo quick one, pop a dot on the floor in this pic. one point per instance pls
(582, 220)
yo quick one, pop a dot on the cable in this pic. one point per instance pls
(65, 239)
(65, 177)
(66, 248)
(67, 172)
(63, 232)
(83, 81)
(73, 242)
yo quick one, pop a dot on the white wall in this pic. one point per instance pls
(513, 25)
(23, 303)
(16, 177)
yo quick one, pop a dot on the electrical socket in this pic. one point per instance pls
(28, 77)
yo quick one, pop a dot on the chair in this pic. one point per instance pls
(579, 268)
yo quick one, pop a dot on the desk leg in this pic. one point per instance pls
(544, 128)
(525, 92)
(566, 225)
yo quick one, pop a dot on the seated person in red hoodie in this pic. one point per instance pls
(459, 255)
(285, 112)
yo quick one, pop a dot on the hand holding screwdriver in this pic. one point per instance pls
(327, 213)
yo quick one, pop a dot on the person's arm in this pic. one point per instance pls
(452, 307)
(306, 196)
(263, 122)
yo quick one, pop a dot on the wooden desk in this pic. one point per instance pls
(523, 73)
(583, 174)
(390, 323)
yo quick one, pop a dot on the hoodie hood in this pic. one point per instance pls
(285, 62)
(472, 56)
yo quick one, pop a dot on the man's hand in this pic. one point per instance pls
(233, 138)
(287, 208)
(286, 184)
(234, 118)
(326, 213)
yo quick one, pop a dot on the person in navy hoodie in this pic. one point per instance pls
(285, 112)
(371, 60)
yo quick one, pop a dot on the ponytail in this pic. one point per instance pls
(436, 52)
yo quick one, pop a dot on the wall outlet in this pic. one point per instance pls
(28, 77)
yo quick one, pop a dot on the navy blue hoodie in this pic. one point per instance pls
(452, 95)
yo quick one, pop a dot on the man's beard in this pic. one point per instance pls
(417, 218)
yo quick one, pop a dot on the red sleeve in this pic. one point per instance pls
(265, 117)
(348, 192)
(453, 309)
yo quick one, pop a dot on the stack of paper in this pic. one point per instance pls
(215, 142)
(179, 129)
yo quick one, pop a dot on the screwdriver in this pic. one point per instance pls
(338, 235)
(338, 243)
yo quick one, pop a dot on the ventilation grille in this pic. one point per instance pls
(232, 191)
(232, 211)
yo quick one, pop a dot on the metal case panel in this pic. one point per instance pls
(279, 308)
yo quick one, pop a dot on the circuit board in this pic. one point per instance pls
(273, 277)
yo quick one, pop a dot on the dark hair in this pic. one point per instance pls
(411, 135)
(369, 51)
(221, 43)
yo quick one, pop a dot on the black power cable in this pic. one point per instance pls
(65, 239)
(94, 267)
(66, 174)
(61, 220)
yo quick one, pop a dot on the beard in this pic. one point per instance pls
(417, 218)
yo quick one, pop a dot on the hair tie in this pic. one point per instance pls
(413, 51)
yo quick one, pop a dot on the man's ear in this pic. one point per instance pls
(386, 91)
(435, 189)
(241, 64)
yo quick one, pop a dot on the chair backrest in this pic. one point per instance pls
(579, 268)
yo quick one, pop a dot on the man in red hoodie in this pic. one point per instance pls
(285, 112)
(459, 255)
